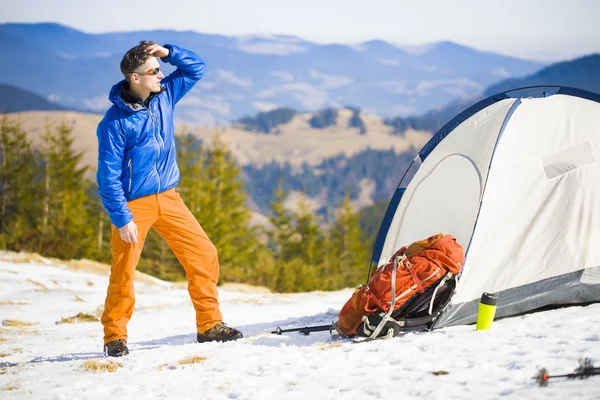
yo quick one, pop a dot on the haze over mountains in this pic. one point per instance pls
(256, 73)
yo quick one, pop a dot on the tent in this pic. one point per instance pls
(516, 179)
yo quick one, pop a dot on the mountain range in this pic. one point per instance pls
(249, 74)
(15, 99)
(306, 154)
(581, 73)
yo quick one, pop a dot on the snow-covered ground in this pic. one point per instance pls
(50, 360)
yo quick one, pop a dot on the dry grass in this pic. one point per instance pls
(185, 361)
(4, 355)
(22, 257)
(12, 303)
(79, 299)
(101, 366)
(3, 370)
(192, 360)
(38, 284)
(9, 388)
(79, 317)
(169, 366)
(328, 346)
(16, 322)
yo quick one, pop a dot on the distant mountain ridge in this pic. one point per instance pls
(581, 73)
(14, 99)
(249, 74)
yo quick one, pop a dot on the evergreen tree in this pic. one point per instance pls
(264, 269)
(309, 245)
(329, 271)
(66, 226)
(346, 239)
(192, 160)
(357, 122)
(281, 236)
(302, 248)
(100, 221)
(223, 213)
(282, 240)
(19, 193)
(265, 121)
(324, 118)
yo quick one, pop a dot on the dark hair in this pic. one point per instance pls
(135, 57)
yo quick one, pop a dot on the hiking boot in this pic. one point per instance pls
(219, 333)
(116, 348)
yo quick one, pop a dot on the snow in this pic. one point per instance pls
(46, 360)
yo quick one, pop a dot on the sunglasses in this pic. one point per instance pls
(153, 71)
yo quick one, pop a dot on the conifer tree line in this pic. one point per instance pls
(49, 204)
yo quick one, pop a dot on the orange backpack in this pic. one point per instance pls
(409, 271)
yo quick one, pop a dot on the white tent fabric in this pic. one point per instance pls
(444, 194)
(518, 185)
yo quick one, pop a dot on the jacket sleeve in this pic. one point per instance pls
(111, 149)
(190, 68)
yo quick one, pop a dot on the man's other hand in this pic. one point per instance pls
(157, 50)
(129, 233)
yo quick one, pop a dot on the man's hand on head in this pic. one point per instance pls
(129, 233)
(157, 50)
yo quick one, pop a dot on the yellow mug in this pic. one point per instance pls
(487, 311)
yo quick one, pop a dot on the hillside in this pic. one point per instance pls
(297, 142)
(14, 99)
(51, 347)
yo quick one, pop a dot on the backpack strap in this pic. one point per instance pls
(415, 278)
(388, 316)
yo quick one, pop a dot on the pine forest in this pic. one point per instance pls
(49, 204)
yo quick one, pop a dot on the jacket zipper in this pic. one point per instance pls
(154, 125)
(130, 174)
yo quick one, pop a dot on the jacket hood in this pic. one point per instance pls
(115, 97)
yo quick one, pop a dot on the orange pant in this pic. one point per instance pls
(166, 213)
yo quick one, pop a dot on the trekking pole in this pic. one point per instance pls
(306, 330)
(585, 370)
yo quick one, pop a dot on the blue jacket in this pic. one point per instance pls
(136, 144)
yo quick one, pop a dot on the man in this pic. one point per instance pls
(137, 175)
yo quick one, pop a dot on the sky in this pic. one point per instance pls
(545, 30)
(54, 359)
